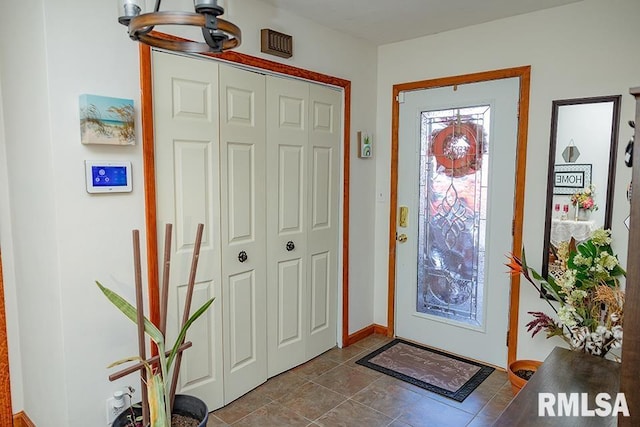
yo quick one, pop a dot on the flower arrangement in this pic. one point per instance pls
(584, 199)
(590, 302)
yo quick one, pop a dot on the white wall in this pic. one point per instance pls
(59, 239)
(579, 50)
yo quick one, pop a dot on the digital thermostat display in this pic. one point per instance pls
(108, 177)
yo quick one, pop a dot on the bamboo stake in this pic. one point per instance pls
(187, 306)
(164, 294)
(140, 319)
(131, 369)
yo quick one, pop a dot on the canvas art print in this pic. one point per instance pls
(105, 120)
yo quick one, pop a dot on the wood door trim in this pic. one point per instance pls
(148, 155)
(524, 74)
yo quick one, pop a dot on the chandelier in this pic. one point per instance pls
(219, 34)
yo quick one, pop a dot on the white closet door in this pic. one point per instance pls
(323, 163)
(242, 172)
(287, 183)
(186, 150)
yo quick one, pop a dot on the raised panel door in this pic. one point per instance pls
(242, 171)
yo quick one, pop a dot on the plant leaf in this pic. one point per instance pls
(183, 331)
(156, 399)
(130, 311)
(125, 360)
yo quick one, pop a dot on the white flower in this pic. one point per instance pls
(601, 237)
(617, 332)
(607, 260)
(577, 295)
(567, 281)
(582, 260)
(566, 314)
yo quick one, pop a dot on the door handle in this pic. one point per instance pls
(402, 238)
(290, 246)
(242, 256)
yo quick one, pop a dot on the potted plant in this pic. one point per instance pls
(159, 397)
(160, 407)
(520, 371)
(589, 300)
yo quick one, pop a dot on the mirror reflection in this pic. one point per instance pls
(582, 157)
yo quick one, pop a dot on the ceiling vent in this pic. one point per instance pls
(275, 43)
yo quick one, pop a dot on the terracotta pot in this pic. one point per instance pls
(516, 382)
(183, 405)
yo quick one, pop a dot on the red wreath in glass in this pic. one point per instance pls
(457, 150)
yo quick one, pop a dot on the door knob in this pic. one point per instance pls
(402, 238)
(242, 256)
(290, 246)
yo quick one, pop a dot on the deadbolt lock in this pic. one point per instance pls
(402, 238)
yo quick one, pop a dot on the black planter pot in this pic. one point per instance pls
(187, 406)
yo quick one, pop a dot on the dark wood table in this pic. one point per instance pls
(564, 371)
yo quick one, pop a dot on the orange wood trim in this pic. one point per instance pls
(379, 329)
(524, 74)
(359, 335)
(464, 79)
(345, 213)
(393, 208)
(5, 380)
(365, 332)
(21, 420)
(149, 161)
(518, 209)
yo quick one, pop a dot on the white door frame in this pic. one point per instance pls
(523, 73)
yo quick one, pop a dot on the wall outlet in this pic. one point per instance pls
(113, 410)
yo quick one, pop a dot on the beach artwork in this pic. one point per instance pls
(105, 120)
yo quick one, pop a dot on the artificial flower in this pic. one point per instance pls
(584, 199)
(590, 302)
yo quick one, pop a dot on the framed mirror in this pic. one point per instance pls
(582, 161)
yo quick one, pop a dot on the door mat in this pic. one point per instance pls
(448, 375)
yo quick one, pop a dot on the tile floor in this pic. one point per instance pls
(331, 390)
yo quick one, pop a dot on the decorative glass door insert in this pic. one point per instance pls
(454, 160)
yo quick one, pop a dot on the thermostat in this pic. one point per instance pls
(107, 177)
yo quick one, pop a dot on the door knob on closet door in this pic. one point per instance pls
(242, 256)
(290, 246)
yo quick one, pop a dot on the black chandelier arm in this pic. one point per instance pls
(139, 29)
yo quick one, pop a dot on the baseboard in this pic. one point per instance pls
(379, 329)
(22, 420)
(365, 332)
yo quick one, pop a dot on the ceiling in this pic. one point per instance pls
(383, 21)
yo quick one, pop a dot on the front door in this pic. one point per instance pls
(456, 183)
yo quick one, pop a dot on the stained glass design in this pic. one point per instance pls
(454, 160)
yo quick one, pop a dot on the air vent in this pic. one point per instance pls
(275, 43)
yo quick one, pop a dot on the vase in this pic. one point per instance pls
(516, 381)
(582, 215)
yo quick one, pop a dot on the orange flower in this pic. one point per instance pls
(515, 265)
